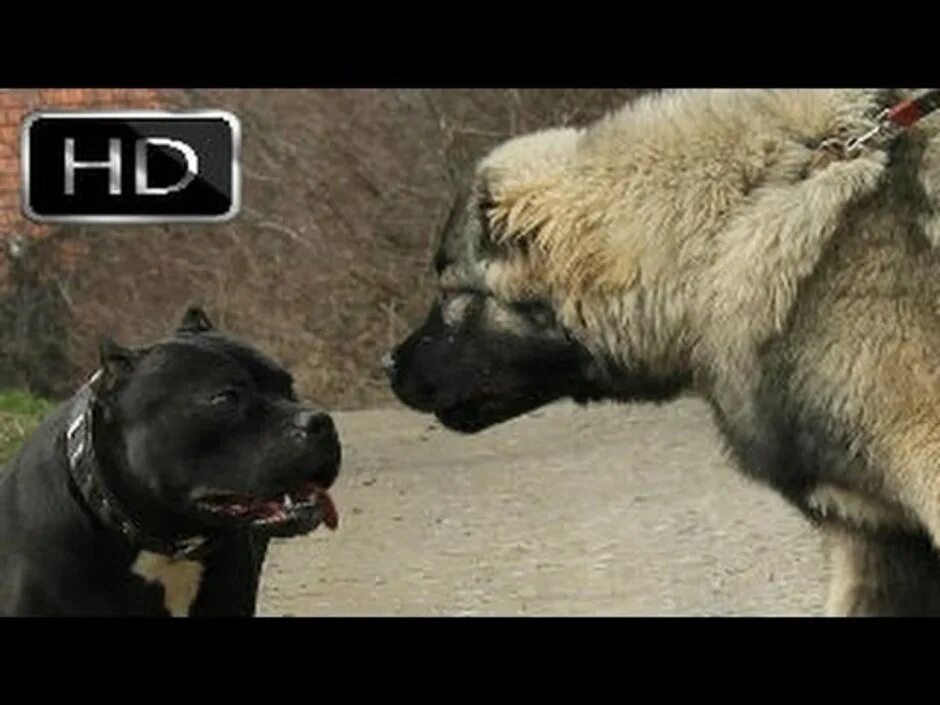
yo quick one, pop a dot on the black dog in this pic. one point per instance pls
(156, 488)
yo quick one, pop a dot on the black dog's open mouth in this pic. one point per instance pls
(300, 509)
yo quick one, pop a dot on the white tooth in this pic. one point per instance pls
(287, 502)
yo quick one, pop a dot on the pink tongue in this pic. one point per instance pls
(271, 508)
(330, 515)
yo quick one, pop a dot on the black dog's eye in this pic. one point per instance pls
(229, 397)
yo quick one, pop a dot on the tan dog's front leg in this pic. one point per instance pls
(882, 574)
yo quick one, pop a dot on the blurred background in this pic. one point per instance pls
(328, 263)
(620, 510)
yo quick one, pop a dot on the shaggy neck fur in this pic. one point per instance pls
(716, 213)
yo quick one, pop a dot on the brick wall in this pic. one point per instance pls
(14, 106)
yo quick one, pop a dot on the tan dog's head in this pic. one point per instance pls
(592, 264)
(494, 344)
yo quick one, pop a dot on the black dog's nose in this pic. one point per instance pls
(388, 363)
(315, 423)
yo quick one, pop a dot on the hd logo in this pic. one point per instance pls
(130, 167)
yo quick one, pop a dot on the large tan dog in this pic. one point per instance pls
(701, 241)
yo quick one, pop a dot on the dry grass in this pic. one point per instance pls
(19, 414)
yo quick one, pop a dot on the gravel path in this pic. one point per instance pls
(612, 510)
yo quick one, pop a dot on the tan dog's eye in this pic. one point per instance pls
(455, 305)
(537, 312)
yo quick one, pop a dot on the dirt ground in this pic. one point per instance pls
(607, 511)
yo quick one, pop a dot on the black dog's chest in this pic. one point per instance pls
(170, 585)
(122, 581)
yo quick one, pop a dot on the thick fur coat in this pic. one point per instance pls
(704, 238)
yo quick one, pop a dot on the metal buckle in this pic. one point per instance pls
(852, 147)
(78, 425)
(75, 426)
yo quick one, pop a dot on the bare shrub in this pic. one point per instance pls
(327, 265)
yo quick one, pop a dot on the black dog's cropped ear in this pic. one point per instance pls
(194, 320)
(116, 362)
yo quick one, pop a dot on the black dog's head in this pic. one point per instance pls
(201, 432)
(495, 343)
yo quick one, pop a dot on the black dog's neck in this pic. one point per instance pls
(95, 478)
